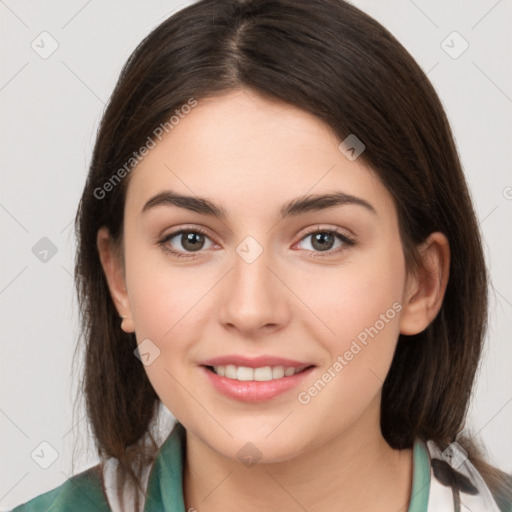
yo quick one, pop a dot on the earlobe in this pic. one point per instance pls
(425, 291)
(114, 274)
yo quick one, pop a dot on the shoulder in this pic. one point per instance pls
(503, 495)
(81, 492)
(480, 485)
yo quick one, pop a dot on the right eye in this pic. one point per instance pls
(191, 240)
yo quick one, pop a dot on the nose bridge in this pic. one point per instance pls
(252, 297)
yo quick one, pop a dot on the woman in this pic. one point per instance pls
(277, 226)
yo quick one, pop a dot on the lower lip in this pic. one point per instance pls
(254, 391)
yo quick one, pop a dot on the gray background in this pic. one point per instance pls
(51, 108)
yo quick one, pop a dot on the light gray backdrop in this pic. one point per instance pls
(60, 61)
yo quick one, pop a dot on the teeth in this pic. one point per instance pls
(278, 372)
(264, 373)
(244, 373)
(230, 371)
(288, 372)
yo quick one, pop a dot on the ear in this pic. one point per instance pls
(113, 268)
(424, 292)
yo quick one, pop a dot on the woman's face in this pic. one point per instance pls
(254, 288)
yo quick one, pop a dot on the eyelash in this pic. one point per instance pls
(347, 241)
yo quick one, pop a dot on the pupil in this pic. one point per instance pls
(192, 241)
(324, 239)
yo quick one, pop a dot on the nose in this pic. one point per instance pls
(254, 300)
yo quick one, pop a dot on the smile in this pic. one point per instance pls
(256, 385)
(261, 374)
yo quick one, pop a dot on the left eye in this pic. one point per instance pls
(322, 242)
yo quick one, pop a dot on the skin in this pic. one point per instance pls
(234, 149)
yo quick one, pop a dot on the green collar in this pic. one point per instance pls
(165, 484)
(420, 478)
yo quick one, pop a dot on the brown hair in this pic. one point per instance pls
(334, 61)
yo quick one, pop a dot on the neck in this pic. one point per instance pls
(355, 471)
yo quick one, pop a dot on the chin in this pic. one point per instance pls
(252, 448)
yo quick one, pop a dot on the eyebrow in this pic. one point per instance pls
(292, 208)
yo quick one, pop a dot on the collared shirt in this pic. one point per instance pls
(437, 486)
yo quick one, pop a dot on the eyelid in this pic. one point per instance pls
(163, 239)
(347, 240)
(324, 228)
(186, 227)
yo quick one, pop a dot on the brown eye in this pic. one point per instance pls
(324, 241)
(184, 241)
(192, 241)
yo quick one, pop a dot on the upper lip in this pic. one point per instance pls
(254, 362)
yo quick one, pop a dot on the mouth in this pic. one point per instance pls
(260, 374)
(255, 384)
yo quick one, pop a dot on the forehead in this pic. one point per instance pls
(247, 151)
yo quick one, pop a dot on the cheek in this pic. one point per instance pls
(163, 295)
(362, 293)
(359, 306)
(167, 310)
